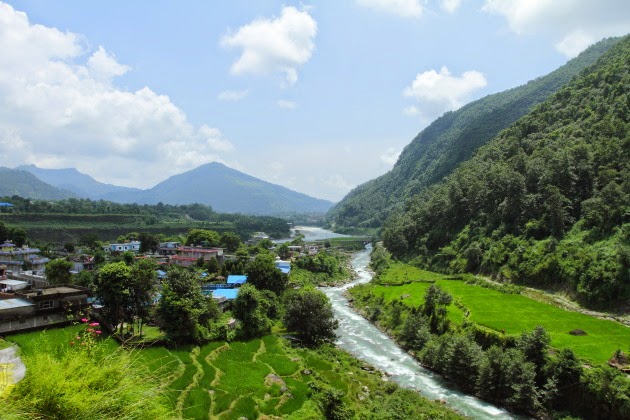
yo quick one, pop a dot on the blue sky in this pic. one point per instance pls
(319, 97)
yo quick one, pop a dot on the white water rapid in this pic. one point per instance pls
(366, 342)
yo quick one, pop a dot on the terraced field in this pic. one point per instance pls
(240, 379)
(512, 313)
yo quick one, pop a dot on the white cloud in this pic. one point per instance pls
(282, 103)
(232, 95)
(58, 108)
(104, 67)
(337, 182)
(437, 93)
(403, 8)
(450, 5)
(571, 24)
(279, 45)
(390, 156)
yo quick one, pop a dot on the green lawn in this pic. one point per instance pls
(512, 313)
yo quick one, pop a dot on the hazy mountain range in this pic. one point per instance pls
(214, 184)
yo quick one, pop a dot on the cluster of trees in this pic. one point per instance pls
(520, 373)
(15, 235)
(547, 201)
(448, 141)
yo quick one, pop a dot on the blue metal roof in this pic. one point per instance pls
(226, 293)
(5, 204)
(14, 303)
(236, 279)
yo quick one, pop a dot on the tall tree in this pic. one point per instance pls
(112, 288)
(185, 313)
(58, 271)
(263, 274)
(308, 313)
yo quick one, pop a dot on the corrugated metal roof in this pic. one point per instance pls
(236, 279)
(226, 293)
(14, 303)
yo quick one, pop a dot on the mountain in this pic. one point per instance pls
(231, 191)
(546, 202)
(79, 183)
(25, 184)
(214, 184)
(450, 140)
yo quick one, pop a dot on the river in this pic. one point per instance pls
(366, 342)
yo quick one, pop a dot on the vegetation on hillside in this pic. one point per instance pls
(448, 141)
(546, 202)
(500, 345)
(69, 219)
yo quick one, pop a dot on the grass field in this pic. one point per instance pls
(510, 312)
(264, 377)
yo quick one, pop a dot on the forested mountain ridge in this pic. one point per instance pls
(450, 140)
(225, 189)
(25, 184)
(546, 202)
(79, 183)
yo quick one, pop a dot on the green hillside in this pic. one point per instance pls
(450, 140)
(546, 202)
(22, 183)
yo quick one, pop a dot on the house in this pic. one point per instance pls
(236, 279)
(169, 248)
(188, 255)
(17, 258)
(42, 307)
(284, 266)
(257, 237)
(83, 262)
(133, 246)
(12, 285)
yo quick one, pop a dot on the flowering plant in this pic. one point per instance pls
(86, 339)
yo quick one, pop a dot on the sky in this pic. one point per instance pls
(316, 96)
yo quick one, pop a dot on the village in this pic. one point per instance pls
(32, 298)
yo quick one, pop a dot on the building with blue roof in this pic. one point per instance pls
(284, 266)
(236, 279)
(229, 294)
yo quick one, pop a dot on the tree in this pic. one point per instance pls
(435, 302)
(69, 247)
(185, 313)
(203, 237)
(534, 346)
(263, 274)
(283, 251)
(141, 288)
(251, 309)
(58, 271)
(148, 242)
(112, 288)
(230, 241)
(308, 313)
(19, 236)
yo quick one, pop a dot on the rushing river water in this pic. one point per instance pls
(368, 343)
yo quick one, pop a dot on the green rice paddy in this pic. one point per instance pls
(512, 313)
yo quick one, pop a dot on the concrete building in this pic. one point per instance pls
(42, 307)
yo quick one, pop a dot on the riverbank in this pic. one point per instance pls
(367, 343)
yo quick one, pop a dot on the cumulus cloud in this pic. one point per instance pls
(438, 92)
(283, 103)
(572, 24)
(450, 5)
(232, 95)
(403, 8)
(59, 108)
(277, 45)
